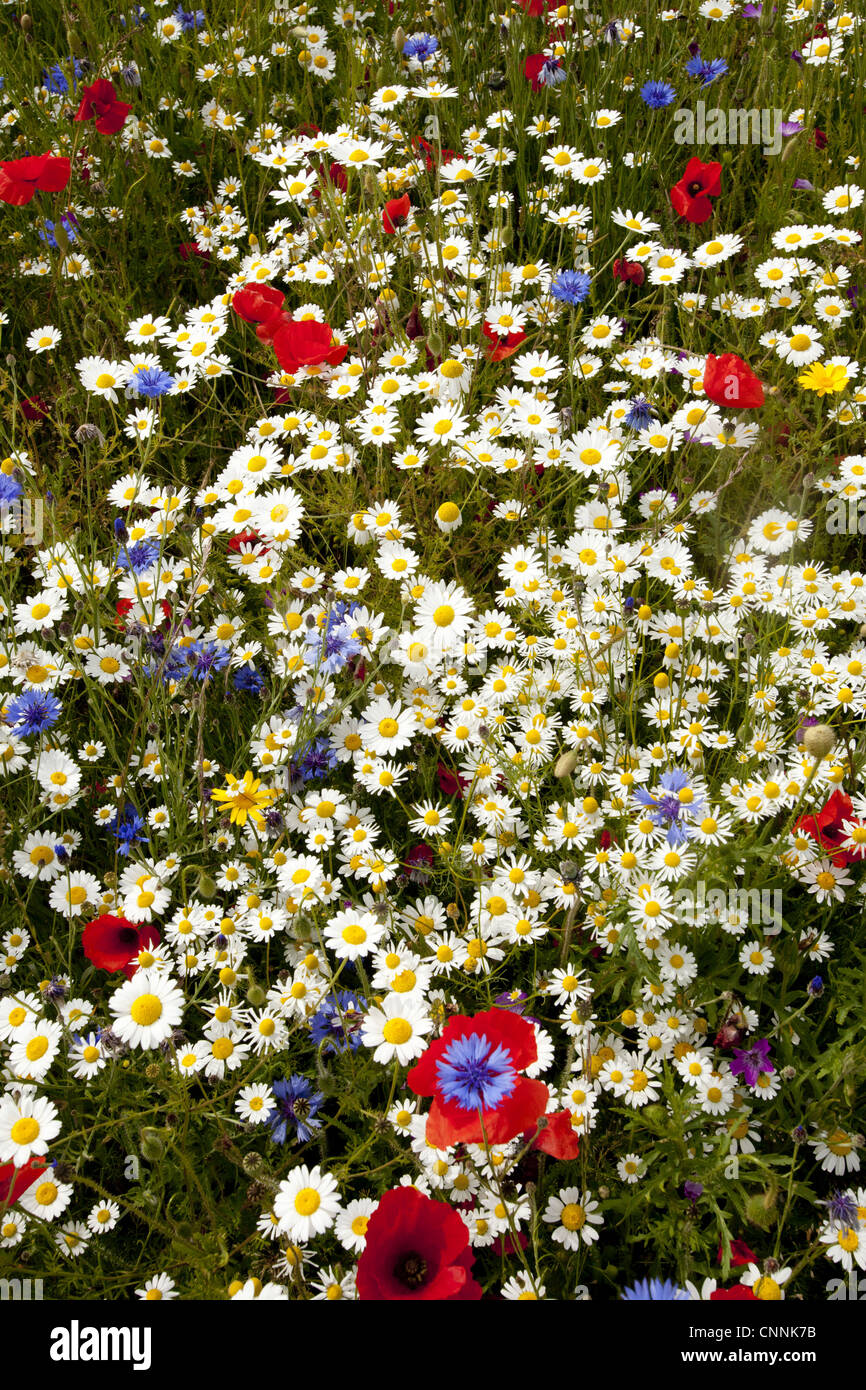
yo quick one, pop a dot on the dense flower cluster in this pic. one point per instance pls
(431, 741)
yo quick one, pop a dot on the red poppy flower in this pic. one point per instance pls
(729, 381)
(416, 1249)
(532, 67)
(502, 347)
(34, 408)
(559, 1137)
(335, 174)
(630, 272)
(473, 1074)
(395, 214)
(14, 1182)
(112, 943)
(189, 248)
(99, 103)
(247, 538)
(450, 784)
(257, 303)
(739, 1293)
(741, 1254)
(20, 179)
(306, 343)
(431, 154)
(827, 829)
(691, 196)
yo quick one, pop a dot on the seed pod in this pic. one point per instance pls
(565, 763)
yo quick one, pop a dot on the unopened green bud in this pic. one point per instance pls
(206, 886)
(151, 1145)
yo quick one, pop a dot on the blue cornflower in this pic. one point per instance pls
(127, 829)
(336, 1025)
(552, 73)
(10, 488)
(706, 69)
(189, 20)
(54, 79)
(248, 679)
(640, 414)
(476, 1074)
(420, 46)
(68, 224)
(815, 987)
(337, 644)
(657, 94)
(668, 807)
(570, 286)
(842, 1210)
(204, 659)
(296, 1107)
(151, 382)
(654, 1290)
(34, 711)
(138, 557)
(62, 853)
(317, 759)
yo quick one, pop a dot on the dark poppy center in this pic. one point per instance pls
(411, 1269)
(694, 188)
(127, 936)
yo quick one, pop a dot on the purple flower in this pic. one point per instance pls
(514, 999)
(295, 1109)
(750, 1063)
(803, 183)
(669, 808)
(693, 1190)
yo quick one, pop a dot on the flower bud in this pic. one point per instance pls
(565, 763)
(151, 1145)
(206, 886)
(818, 740)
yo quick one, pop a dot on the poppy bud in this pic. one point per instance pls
(818, 740)
(206, 886)
(151, 1145)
